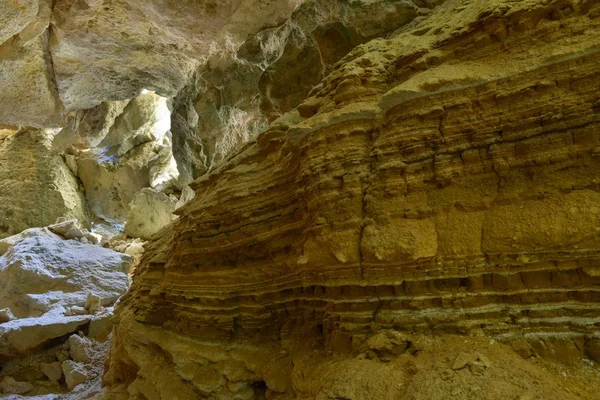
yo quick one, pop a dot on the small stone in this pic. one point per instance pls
(11, 386)
(93, 303)
(462, 361)
(64, 227)
(78, 310)
(6, 315)
(74, 233)
(101, 326)
(74, 373)
(52, 370)
(79, 349)
(93, 238)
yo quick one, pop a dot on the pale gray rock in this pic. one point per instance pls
(112, 50)
(75, 373)
(46, 280)
(42, 273)
(7, 243)
(80, 349)
(111, 182)
(20, 337)
(146, 118)
(36, 187)
(89, 127)
(93, 303)
(149, 212)
(64, 227)
(101, 325)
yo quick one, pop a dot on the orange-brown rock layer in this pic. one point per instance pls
(442, 181)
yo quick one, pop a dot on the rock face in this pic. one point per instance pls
(149, 212)
(45, 282)
(241, 88)
(152, 53)
(36, 186)
(443, 180)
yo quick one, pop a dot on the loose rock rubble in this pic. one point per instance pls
(57, 289)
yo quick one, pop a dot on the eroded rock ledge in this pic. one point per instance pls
(441, 181)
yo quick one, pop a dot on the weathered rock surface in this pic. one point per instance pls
(111, 51)
(149, 212)
(441, 181)
(27, 85)
(241, 88)
(36, 186)
(132, 151)
(43, 279)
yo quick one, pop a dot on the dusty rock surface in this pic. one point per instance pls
(56, 296)
(440, 181)
(36, 186)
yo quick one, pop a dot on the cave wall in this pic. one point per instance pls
(441, 180)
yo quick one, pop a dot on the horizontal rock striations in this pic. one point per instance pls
(441, 181)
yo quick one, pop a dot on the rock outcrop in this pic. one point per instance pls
(440, 181)
(36, 186)
(241, 88)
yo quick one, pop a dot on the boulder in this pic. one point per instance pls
(24, 336)
(45, 281)
(42, 272)
(80, 349)
(75, 373)
(52, 370)
(6, 315)
(111, 182)
(146, 118)
(149, 212)
(27, 85)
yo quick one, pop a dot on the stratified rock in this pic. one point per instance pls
(441, 181)
(149, 212)
(231, 98)
(36, 187)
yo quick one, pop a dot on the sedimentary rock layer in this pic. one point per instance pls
(441, 181)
